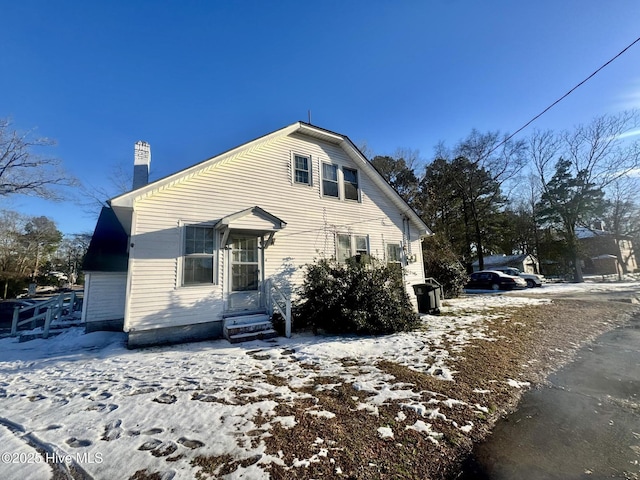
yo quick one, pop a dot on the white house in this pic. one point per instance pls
(185, 256)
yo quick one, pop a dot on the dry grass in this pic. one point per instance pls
(529, 343)
(532, 341)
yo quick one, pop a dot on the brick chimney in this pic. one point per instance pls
(141, 163)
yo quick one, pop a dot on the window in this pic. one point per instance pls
(198, 256)
(245, 270)
(348, 246)
(360, 244)
(329, 180)
(343, 248)
(302, 169)
(394, 254)
(350, 183)
(339, 182)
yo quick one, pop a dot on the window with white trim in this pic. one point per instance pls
(350, 183)
(394, 254)
(348, 246)
(330, 180)
(198, 262)
(360, 245)
(302, 169)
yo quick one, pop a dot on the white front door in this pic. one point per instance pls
(244, 275)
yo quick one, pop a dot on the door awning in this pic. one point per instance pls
(251, 221)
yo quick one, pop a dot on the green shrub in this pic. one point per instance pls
(442, 264)
(355, 297)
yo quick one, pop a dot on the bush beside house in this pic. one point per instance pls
(441, 263)
(363, 297)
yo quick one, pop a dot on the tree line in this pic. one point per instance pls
(492, 194)
(33, 250)
(488, 194)
(31, 247)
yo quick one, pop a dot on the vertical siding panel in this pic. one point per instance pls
(109, 304)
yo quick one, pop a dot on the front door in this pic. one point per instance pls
(244, 274)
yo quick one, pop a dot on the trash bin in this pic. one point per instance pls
(428, 295)
(422, 296)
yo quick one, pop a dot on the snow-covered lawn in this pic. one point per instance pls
(116, 411)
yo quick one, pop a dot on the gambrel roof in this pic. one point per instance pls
(123, 204)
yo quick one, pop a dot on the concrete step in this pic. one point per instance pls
(241, 328)
(241, 319)
(246, 328)
(246, 337)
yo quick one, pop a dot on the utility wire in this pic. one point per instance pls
(563, 96)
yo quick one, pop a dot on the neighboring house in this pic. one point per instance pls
(606, 253)
(186, 256)
(526, 263)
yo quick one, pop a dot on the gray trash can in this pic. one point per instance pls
(428, 295)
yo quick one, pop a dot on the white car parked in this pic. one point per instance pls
(532, 279)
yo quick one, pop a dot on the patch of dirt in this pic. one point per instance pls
(530, 342)
(276, 380)
(146, 475)
(219, 466)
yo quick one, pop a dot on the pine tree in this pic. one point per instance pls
(570, 200)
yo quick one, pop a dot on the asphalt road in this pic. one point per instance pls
(585, 425)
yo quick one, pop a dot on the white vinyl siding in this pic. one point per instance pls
(258, 176)
(104, 297)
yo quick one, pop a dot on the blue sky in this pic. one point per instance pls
(195, 78)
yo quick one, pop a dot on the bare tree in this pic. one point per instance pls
(70, 254)
(495, 153)
(599, 149)
(92, 198)
(544, 150)
(622, 217)
(597, 154)
(23, 171)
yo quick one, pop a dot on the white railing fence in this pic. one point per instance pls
(49, 310)
(278, 302)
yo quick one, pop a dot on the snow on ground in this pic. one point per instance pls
(593, 284)
(22, 460)
(115, 411)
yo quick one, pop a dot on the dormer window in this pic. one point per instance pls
(302, 169)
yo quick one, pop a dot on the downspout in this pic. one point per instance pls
(404, 240)
(409, 235)
(406, 236)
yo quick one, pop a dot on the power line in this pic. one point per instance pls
(564, 96)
